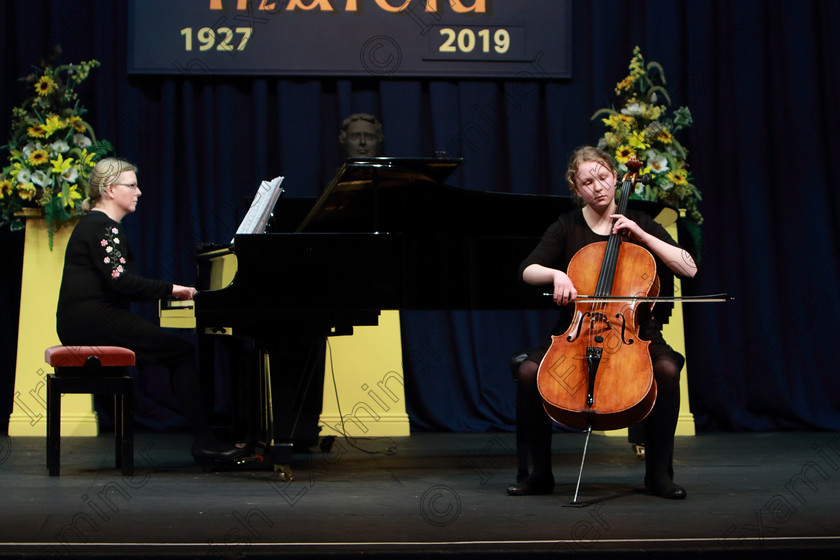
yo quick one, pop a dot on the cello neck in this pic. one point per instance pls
(607, 274)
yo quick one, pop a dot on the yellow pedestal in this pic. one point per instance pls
(40, 283)
(365, 371)
(674, 333)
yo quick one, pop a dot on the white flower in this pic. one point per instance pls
(81, 140)
(60, 146)
(40, 178)
(657, 162)
(24, 175)
(666, 185)
(634, 110)
(70, 175)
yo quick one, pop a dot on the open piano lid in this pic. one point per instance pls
(356, 191)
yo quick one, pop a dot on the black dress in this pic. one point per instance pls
(555, 250)
(98, 284)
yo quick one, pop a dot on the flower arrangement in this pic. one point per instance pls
(642, 126)
(51, 150)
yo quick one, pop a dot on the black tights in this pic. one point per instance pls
(533, 426)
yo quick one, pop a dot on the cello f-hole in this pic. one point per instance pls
(623, 327)
(574, 336)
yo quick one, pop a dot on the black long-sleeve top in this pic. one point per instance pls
(99, 274)
(570, 233)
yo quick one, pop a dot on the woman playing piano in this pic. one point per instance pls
(97, 285)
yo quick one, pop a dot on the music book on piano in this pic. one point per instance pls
(256, 219)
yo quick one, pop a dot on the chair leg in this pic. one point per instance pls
(119, 422)
(123, 391)
(53, 426)
(125, 429)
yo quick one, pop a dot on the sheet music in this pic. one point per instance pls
(256, 219)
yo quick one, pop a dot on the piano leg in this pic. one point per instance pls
(240, 359)
(292, 396)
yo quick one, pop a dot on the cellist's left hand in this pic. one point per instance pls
(627, 227)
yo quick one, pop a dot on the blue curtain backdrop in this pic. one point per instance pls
(762, 79)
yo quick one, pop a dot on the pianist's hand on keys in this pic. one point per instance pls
(183, 292)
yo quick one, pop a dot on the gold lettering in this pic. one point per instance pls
(458, 7)
(323, 5)
(389, 8)
(479, 6)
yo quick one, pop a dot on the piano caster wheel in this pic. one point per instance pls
(326, 443)
(284, 473)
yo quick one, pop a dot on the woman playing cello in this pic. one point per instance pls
(592, 178)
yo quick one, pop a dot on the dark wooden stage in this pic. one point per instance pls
(762, 495)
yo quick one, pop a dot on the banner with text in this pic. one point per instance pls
(527, 39)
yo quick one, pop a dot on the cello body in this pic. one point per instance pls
(598, 374)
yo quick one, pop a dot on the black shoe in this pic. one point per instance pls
(210, 459)
(532, 486)
(667, 490)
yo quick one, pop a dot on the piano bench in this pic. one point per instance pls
(93, 370)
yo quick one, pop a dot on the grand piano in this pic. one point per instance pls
(387, 233)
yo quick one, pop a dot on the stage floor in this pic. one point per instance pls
(771, 494)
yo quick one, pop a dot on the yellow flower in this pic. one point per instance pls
(623, 153)
(54, 123)
(637, 67)
(624, 85)
(611, 139)
(637, 141)
(26, 191)
(617, 121)
(45, 86)
(77, 123)
(678, 176)
(72, 196)
(664, 135)
(37, 157)
(86, 158)
(36, 131)
(5, 187)
(60, 165)
(652, 112)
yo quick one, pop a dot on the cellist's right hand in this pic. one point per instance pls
(564, 290)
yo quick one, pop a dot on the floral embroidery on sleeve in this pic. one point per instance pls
(110, 243)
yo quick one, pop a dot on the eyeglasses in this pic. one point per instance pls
(132, 186)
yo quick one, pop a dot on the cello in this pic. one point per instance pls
(598, 374)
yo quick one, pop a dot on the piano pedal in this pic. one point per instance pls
(639, 450)
(284, 473)
(326, 443)
(249, 459)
